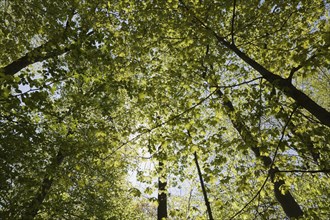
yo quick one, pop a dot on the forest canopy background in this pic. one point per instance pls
(92, 90)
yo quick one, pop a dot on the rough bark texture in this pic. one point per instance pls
(206, 200)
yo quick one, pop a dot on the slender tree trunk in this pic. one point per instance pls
(162, 183)
(34, 206)
(188, 205)
(288, 203)
(207, 203)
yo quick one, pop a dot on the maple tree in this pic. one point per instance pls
(88, 89)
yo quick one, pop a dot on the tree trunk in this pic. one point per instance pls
(207, 203)
(41, 53)
(288, 203)
(284, 85)
(306, 141)
(162, 183)
(34, 206)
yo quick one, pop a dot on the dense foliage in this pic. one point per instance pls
(92, 92)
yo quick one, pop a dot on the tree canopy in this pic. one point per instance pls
(226, 100)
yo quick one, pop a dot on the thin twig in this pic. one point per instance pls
(239, 84)
(162, 124)
(255, 196)
(282, 136)
(303, 171)
(221, 39)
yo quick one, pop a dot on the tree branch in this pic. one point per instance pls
(34, 206)
(282, 84)
(282, 135)
(303, 171)
(297, 68)
(271, 173)
(162, 124)
(45, 51)
(233, 23)
(253, 198)
(239, 84)
(207, 203)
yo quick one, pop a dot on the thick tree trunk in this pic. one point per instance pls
(284, 85)
(288, 203)
(34, 206)
(207, 203)
(162, 200)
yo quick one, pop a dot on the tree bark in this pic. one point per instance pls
(41, 53)
(45, 51)
(207, 203)
(288, 203)
(162, 183)
(306, 141)
(284, 85)
(34, 206)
